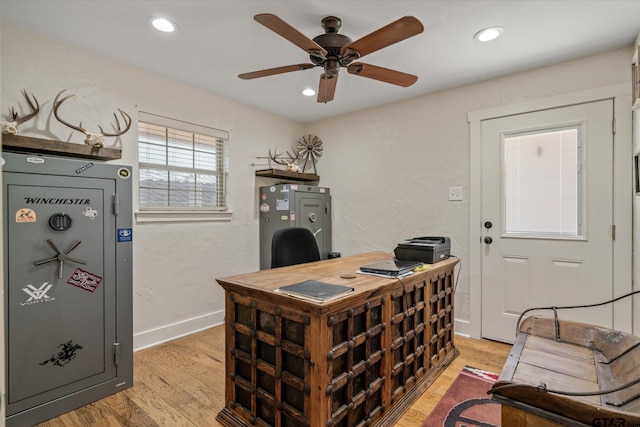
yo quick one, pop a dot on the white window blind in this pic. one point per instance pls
(182, 166)
(542, 178)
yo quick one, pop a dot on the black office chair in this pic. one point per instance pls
(294, 245)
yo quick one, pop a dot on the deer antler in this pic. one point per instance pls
(95, 139)
(56, 104)
(35, 109)
(127, 121)
(275, 157)
(12, 126)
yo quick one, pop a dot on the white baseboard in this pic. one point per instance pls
(463, 328)
(170, 332)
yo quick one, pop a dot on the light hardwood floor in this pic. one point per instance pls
(181, 383)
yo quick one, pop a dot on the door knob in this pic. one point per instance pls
(488, 225)
(488, 240)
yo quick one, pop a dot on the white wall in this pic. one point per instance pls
(389, 168)
(175, 265)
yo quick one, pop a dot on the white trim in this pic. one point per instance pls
(182, 125)
(623, 213)
(475, 230)
(636, 223)
(462, 327)
(176, 330)
(607, 92)
(622, 179)
(143, 217)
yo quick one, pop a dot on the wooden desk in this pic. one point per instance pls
(358, 360)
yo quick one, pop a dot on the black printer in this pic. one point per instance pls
(426, 249)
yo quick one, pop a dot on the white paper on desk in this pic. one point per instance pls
(388, 276)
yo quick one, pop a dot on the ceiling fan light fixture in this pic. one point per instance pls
(163, 24)
(308, 92)
(488, 34)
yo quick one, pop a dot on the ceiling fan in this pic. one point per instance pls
(332, 51)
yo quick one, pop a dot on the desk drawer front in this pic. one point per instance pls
(356, 364)
(270, 375)
(440, 337)
(409, 335)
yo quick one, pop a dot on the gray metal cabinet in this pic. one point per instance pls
(68, 299)
(294, 205)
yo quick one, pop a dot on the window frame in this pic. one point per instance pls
(145, 214)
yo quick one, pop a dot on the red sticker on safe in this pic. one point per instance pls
(84, 280)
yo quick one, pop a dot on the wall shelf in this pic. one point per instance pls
(283, 174)
(27, 144)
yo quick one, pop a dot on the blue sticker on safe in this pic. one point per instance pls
(282, 204)
(125, 235)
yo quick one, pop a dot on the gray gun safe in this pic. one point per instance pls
(294, 205)
(67, 283)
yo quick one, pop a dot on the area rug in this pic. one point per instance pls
(467, 403)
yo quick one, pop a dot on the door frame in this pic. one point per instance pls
(622, 197)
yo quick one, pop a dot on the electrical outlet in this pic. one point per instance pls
(455, 193)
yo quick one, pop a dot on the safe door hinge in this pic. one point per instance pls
(613, 232)
(116, 204)
(613, 126)
(116, 353)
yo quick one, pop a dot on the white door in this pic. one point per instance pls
(547, 212)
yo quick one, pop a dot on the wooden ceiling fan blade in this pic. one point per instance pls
(285, 30)
(273, 71)
(327, 88)
(382, 74)
(394, 32)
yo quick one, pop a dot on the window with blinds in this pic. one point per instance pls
(182, 166)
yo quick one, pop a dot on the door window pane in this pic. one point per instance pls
(542, 183)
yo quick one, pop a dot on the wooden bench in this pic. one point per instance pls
(550, 357)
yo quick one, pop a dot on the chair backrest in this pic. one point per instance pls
(293, 245)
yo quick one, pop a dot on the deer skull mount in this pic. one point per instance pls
(12, 126)
(289, 161)
(95, 139)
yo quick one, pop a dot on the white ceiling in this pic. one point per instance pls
(217, 40)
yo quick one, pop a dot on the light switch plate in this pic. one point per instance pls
(455, 193)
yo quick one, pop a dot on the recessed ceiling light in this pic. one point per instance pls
(163, 24)
(489, 34)
(308, 92)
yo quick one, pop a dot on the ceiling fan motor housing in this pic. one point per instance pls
(333, 43)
